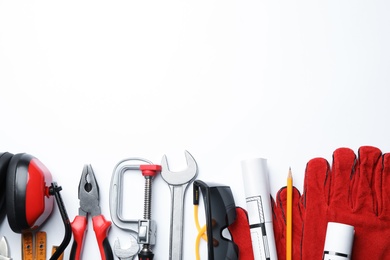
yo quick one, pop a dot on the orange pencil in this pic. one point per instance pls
(289, 216)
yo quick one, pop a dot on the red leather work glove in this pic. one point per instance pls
(241, 234)
(279, 206)
(354, 191)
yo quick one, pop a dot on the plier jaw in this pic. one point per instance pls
(89, 205)
(88, 193)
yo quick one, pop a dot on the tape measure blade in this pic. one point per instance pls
(40, 245)
(27, 246)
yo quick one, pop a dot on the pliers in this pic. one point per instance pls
(89, 205)
(4, 249)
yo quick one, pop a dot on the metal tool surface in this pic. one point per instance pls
(178, 183)
(144, 229)
(126, 253)
(4, 249)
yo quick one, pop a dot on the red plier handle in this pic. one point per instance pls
(100, 226)
(79, 226)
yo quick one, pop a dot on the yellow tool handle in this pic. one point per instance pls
(27, 246)
(40, 245)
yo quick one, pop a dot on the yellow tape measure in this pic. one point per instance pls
(29, 252)
(27, 246)
(40, 246)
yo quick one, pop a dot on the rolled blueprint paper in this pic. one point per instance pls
(258, 202)
(338, 241)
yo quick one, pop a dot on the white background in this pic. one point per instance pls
(99, 81)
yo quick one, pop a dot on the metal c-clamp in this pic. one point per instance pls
(145, 228)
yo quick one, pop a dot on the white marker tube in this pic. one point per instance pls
(258, 202)
(338, 241)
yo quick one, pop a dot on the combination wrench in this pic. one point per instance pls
(178, 183)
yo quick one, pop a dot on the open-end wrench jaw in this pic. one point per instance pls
(126, 253)
(181, 177)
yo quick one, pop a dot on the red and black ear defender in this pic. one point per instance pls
(27, 194)
(4, 161)
(28, 203)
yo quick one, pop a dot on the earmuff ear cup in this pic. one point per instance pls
(28, 203)
(4, 161)
(16, 181)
